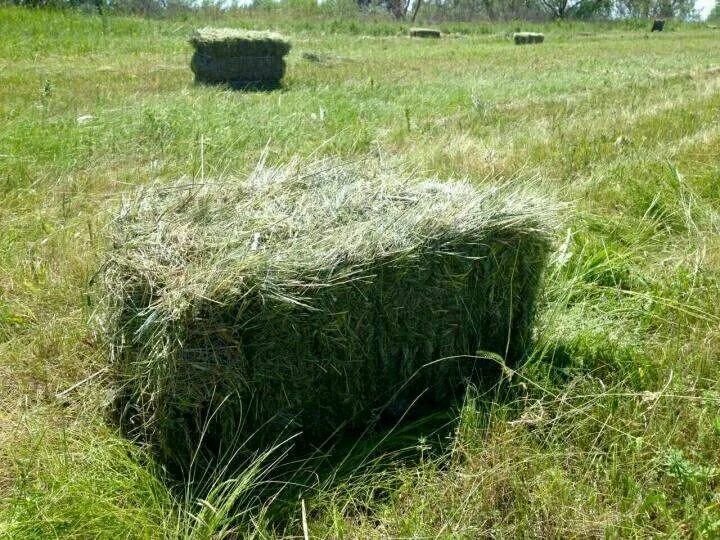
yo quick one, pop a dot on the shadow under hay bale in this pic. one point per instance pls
(424, 33)
(523, 38)
(238, 58)
(311, 300)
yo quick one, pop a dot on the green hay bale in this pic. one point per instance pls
(238, 57)
(424, 33)
(310, 299)
(522, 38)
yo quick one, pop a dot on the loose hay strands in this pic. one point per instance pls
(306, 299)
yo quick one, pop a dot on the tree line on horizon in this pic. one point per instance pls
(436, 10)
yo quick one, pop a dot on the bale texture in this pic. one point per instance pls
(238, 57)
(522, 38)
(237, 71)
(424, 33)
(220, 42)
(307, 300)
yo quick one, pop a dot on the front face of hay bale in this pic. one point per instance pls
(307, 302)
(238, 57)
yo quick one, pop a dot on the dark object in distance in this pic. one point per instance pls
(311, 57)
(424, 33)
(658, 26)
(522, 38)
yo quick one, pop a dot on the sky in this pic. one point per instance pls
(704, 7)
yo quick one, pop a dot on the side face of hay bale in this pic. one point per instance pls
(238, 57)
(523, 38)
(424, 33)
(237, 71)
(304, 302)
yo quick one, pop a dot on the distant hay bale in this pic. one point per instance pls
(424, 33)
(522, 38)
(309, 299)
(238, 57)
(311, 57)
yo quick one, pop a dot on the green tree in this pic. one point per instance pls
(680, 9)
(715, 13)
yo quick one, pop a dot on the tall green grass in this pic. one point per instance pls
(610, 429)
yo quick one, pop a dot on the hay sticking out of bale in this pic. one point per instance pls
(309, 299)
(238, 57)
(424, 33)
(522, 38)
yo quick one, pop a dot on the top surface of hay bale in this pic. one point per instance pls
(312, 295)
(293, 223)
(233, 42)
(424, 32)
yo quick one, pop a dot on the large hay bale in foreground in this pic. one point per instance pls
(311, 299)
(523, 38)
(238, 57)
(424, 33)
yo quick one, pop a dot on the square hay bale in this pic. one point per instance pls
(238, 57)
(522, 38)
(308, 299)
(425, 33)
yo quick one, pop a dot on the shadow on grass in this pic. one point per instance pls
(243, 86)
(400, 435)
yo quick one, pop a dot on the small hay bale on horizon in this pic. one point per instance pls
(523, 38)
(425, 33)
(309, 299)
(238, 57)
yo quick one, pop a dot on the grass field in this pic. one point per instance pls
(612, 428)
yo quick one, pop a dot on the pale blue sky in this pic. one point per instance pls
(705, 6)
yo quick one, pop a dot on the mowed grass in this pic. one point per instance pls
(611, 428)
